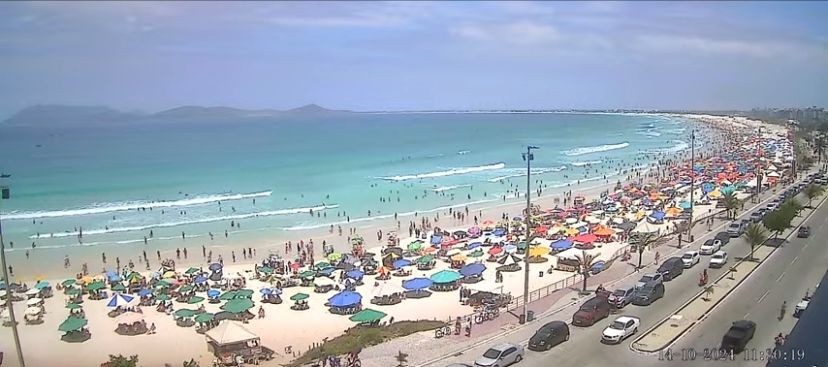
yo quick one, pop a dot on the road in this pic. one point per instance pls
(801, 259)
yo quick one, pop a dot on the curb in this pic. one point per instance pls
(715, 305)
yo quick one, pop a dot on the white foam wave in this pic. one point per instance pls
(585, 163)
(448, 188)
(595, 149)
(188, 222)
(464, 152)
(451, 172)
(650, 133)
(132, 205)
(675, 131)
(537, 171)
(678, 145)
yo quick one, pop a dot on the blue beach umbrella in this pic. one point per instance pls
(118, 299)
(473, 269)
(345, 298)
(658, 215)
(561, 245)
(474, 245)
(113, 276)
(417, 284)
(684, 204)
(215, 267)
(213, 293)
(402, 263)
(200, 279)
(266, 291)
(436, 239)
(499, 232)
(355, 274)
(144, 292)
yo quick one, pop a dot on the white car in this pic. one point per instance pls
(690, 258)
(710, 247)
(500, 356)
(718, 259)
(620, 329)
(801, 306)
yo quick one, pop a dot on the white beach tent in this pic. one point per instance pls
(229, 332)
(387, 288)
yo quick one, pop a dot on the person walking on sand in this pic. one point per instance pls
(185, 253)
(203, 251)
(233, 255)
(261, 312)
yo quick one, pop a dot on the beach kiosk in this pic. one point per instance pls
(230, 340)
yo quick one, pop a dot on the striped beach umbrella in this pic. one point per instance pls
(120, 300)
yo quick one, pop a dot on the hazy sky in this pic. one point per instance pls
(371, 56)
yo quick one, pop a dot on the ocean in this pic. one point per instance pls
(117, 183)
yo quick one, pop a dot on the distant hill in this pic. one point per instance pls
(58, 114)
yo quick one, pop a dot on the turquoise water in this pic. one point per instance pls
(95, 178)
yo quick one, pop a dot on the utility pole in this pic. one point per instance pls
(692, 183)
(758, 166)
(4, 194)
(528, 157)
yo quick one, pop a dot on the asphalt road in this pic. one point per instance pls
(585, 348)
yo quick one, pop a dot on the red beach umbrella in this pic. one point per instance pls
(586, 238)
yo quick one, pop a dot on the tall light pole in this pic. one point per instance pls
(692, 183)
(758, 166)
(528, 157)
(4, 194)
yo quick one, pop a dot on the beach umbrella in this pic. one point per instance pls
(323, 281)
(192, 271)
(266, 270)
(345, 298)
(31, 311)
(169, 274)
(499, 232)
(72, 324)
(226, 296)
(402, 263)
(603, 232)
(510, 249)
(561, 245)
(215, 267)
(452, 252)
(195, 299)
(474, 245)
(134, 277)
(266, 291)
(113, 276)
(477, 253)
(445, 276)
(200, 279)
(213, 293)
(538, 251)
(299, 297)
(73, 306)
(238, 305)
(427, 259)
(415, 246)
(334, 257)
(73, 291)
(204, 317)
(307, 274)
(42, 284)
(367, 316)
(120, 300)
(163, 297)
(322, 265)
(163, 283)
(472, 270)
(495, 250)
(417, 283)
(32, 291)
(459, 257)
(68, 282)
(96, 286)
(244, 293)
(118, 287)
(184, 312)
(129, 318)
(144, 292)
(586, 238)
(186, 288)
(658, 215)
(355, 274)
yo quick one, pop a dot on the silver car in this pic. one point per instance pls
(500, 356)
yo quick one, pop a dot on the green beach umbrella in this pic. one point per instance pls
(73, 306)
(118, 287)
(266, 270)
(299, 297)
(521, 245)
(367, 315)
(427, 259)
(244, 293)
(226, 296)
(186, 289)
(96, 285)
(163, 297)
(356, 239)
(238, 305)
(204, 317)
(42, 284)
(72, 324)
(184, 312)
(68, 282)
(307, 274)
(191, 271)
(72, 291)
(476, 253)
(414, 246)
(445, 276)
(195, 299)
(322, 265)
(163, 283)
(334, 256)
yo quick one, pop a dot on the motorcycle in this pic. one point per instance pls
(702, 280)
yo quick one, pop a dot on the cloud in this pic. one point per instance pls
(709, 46)
(521, 32)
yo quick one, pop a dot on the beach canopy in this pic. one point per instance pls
(477, 253)
(658, 215)
(184, 312)
(299, 297)
(72, 291)
(402, 263)
(561, 245)
(266, 270)
(472, 270)
(120, 300)
(367, 316)
(200, 279)
(68, 282)
(72, 324)
(586, 238)
(474, 245)
(307, 274)
(538, 251)
(334, 256)
(495, 250)
(31, 311)
(163, 297)
(417, 284)
(238, 305)
(322, 265)
(415, 246)
(229, 332)
(96, 285)
(186, 289)
(204, 317)
(510, 248)
(144, 292)
(445, 276)
(386, 288)
(355, 274)
(192, 271)
(345, 298)
(215, 267)
(118, 287)
(195, 299)
(42, 284)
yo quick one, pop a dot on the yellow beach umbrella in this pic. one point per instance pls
(572, 232)
(538, 251)
(459, 257)
(169, 274)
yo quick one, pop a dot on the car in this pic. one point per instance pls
(649, 277)
(459, 365)
(620, 329)
(621, 297)
(723, 236)
(734, 229)
(671, 268)
(710, 246)
(500, 355)
(718, 259)
(690, 259)
(756, 217)
(549, 335)
(737, 337)
(801, 306)
(803, 232)
(649, 293)
(593, 310)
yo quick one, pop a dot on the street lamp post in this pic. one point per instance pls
(692, 184)
(758, 166)
(528, 157)
(4, 194)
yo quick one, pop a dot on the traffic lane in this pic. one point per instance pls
(580, 346)
(791, 271)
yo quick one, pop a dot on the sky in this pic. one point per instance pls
(150, 56)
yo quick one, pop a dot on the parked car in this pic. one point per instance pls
(549, 335)
(756, 217)
(690, 259)
(734, 229)
(801, 306)
(459, 365)
(718, 259)
(710, 246)
(501, 355)
(649, 277)
(621, 297)
(722, 236)
(620, 329)
(671, 268)
(593, 310)
(739, 334)
(803, 232)
(649, 293)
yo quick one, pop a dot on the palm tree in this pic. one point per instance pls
(731, 203)
(755, 236)
(793, 206)
(812, 191)
(585, 262)
(642, 242)
(708, 292)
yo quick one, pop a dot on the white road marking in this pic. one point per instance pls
(763, 296)
(780, 276)
(794, 259)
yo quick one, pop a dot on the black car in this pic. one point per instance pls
(804, 232)
(671, 268)
(739, 334)
(648, 293)
(549, 335)
(722, 236)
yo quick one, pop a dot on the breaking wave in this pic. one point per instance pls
(522, 173)
(595, 149)
(451, 172)
(447, 188)
(586, 163)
